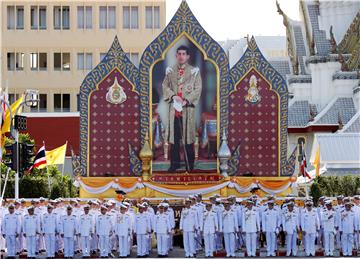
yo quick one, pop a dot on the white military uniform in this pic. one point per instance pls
(189, 225)
(310, 225)
(347, 227)
(68, 228)
(86, 230)
(209, 227)
(49, 229)
(31, 228)
(270, 225)
(11, 227)
(123, 230)
(290, 224)
(251, 226)
(229, 226)
(162, 228)
(104, 229)
(328, 219)
(142, 228)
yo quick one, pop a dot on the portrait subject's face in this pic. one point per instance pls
(182, 57)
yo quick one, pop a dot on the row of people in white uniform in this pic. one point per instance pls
(107, 228)
(241, 225)
(71, 228)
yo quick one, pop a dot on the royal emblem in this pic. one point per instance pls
(253, 95)
(116, 94)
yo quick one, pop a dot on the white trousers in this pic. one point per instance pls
(31, 246)
(142, 244)
(229, 239)
(310, 244)
(50, 245)
(189, 243)
(291, 246)
(69, 243)
(85, 245)
(123, 245)
(209, 240)
(270, 243)
(94, 243)
(251, 243)
(329, 243)
(11, 245)
(347, 243)
(162, 243)
(104, 245)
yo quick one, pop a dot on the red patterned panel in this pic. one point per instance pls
(112, 127)
(256, 125)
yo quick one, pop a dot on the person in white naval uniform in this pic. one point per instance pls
(208, 228)
(250, 226)
(170, 212)
(123, 230)
(328, 219)
(347, 228)
(31, 230)
(104, 229)
(270, 225)
(68, 231)
(230, 227)
(189, 225)
(162, 229)
(290, 225)
(310, 225)
(142, 229)
(49, 229)
(86, 230)
(11, 229)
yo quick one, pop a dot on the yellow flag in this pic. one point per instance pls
(6, 126)
(317, 161)
(56, 156)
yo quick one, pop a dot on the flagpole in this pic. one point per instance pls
(63, 167)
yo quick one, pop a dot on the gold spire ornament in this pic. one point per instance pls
(146, 155)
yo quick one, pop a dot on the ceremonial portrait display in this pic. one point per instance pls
(184, 110)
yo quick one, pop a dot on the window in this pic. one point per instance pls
(102, 56)
(80, 61)
(38, 17)
(152, 17)
(134, 58)
(11, 61)
(19, 17)
(84, 61)
(42, 105)
(11, 17)
(130, 17)
(19, 61)
(13, 98)
(34, 61)
(66, 17)
(42, 17)
(61, 17)
(61, 102)
(43, 61)
(107, 17)
(66, 61)
(84, 17)
(34, 17)
(62, 61)
(57, 17)
(57, 61)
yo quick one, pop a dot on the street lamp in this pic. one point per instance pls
(31, 99)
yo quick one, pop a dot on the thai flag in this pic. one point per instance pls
(303, 165)
(40, 158)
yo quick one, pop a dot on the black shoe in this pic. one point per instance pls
(173, 168)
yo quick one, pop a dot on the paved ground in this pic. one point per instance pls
(178, 252)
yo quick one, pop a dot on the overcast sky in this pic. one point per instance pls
(234, 19)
